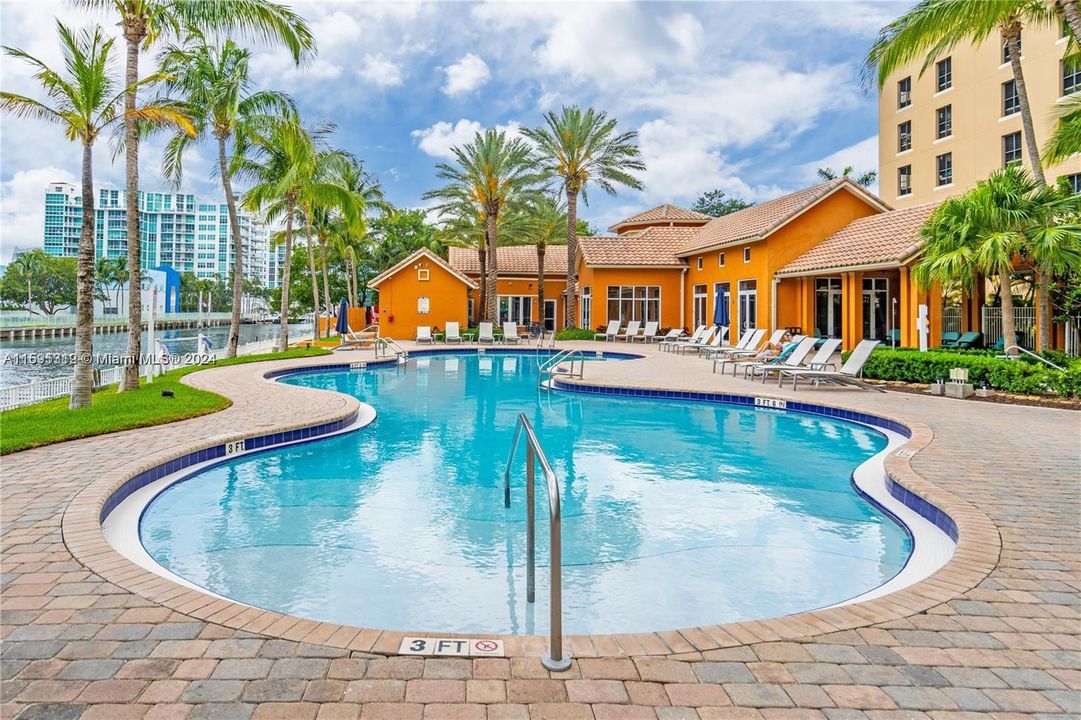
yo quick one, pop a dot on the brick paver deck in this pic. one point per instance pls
(997, 632)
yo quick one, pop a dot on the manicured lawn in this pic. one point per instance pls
(52, 422)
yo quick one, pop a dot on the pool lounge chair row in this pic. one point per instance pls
(631, 334)
(486, 334)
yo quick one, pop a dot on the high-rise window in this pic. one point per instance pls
(904, 180)
(1074, 181)
(1006, 49)
(1011, 148)
(944, 122)
(944, 74)
(904, 136)
(1071, 76)
(1011, 104)
(945, 169)
(904, 92)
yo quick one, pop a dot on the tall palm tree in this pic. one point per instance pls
(214, 83)
(85, 103)
(863, 179)
(1054, 247)
(491, 172)
(142, 22)
(1065, 141)
(579, 147)
(30, 265)
(547, 221)
(1071, 13)
(982, 231)
(933, 27)
(349, 238)
(275, 158)
(463, 226)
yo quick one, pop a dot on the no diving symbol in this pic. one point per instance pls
(486, 645)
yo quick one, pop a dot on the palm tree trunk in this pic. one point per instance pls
(1043, 310)
(1012, 35)
(1005, 292)
(82, 385)
(311, 269)
(541, 248)
(238, 250)
(135, 260)
(482, 256)
(283, 335)
(493, 269)
(1073, 17)
(572, 257)
(326, 282)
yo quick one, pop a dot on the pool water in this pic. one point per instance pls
(674, 513)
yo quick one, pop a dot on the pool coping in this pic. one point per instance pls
(976, 554)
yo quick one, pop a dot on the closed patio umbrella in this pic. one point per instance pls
(720, 308)
(342, 326)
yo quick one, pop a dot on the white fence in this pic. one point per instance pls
(951, 319)
(1073, 336)
(1024, 319)
(23, 319)
(42, 390)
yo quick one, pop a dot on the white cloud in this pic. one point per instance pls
(380, 71)
(466, 75)
(438, 139)
(862, 156)
(22, 199)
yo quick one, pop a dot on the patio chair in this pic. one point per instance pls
(753, 346)
(485, 334)
(971, 339)
(710, 349)
(849, 374)
(424, 334)
(669, 343)
(1000, 344)
(350, 339)
(702, 341)
(649, 333)
(610, 332)
(949, 339)
(453, 333)
(630, 332)
(746, 349)
(510, 333)
(671, 336)
(792, 356)
(894, 338)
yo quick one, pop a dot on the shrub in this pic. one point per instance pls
(1030, 378)
(575, 334)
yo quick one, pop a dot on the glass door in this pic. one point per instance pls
(828, 304)
(699, 297)
(516, 308)
(748, 305)
(876, 299)
(587, 308)
(550, 315)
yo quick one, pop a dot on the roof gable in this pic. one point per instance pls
(422, 253)
(512, 259)
(664, 214)
(653, 247)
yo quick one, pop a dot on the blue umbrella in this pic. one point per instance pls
(720, 307)
(342, 326)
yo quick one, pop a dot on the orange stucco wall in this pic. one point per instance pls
(398, 294)
(599, 279)
(517, 285)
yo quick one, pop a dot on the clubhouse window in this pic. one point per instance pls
(1011, 104)
(1006, 50)
(904, 136)
(945, 169)
(1071, 76)
(699, 263)
(1011, 148)
(904, 92)
(720, 259)
(746, 255)
(904, 180)
(634, 302)
(944, 74)
(944, 122)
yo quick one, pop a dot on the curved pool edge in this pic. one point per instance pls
(975, 555)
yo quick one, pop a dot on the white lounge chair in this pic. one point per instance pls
(756, 344)
(631, 332)
(610, 332)
(749, 342)
(849, 374)
(350, 339)
(822, 358)
(424, 334)
(711, 347)
(669, 337)
(794, 359)
(702, 340)
(510, 333)
(486, 334)
(681, 338)
(649, 332)
(453, 333)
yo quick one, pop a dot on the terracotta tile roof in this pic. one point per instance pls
(662, 214)
(513, 260)
(888, 237)
(655, 247)
(760, 220)
(423, 252)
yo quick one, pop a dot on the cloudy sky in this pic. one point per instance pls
(749, 97)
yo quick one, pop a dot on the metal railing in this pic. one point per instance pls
(1024, 321)
(549, 368)
(555, 659)
(1042, 359)
(385, 346)
(22, 319)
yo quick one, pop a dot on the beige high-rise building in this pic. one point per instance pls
(942, 131)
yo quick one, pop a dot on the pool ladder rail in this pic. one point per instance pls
(385, 346)
(552, 367)
(555, 660)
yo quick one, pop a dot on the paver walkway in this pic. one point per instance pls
(75, 645)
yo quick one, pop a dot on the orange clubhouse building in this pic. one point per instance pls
(831, 260)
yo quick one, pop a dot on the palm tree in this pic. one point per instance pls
(349, 238)
(144, 21)
(933, 27)
(580, 147)
(490, 172)
(1054, 247)
(864, 179)
(1065, 141)
(547, 220)
(214, 83)
(85, 102)
(463, 226)
(30, 265)
(1071, 13)
(982, 231)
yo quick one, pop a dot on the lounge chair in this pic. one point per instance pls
(424, 334)
(745, 350)
(894, 338)
(350, 339)
(681, 338)
(702, 341)
(669, 337)
(630, 332)
(849, 374)
(453, 333)
(610, 332)
(649, 333)
(970, 339)
(1000, 344)
(485, 334)
(710, 349)
(741, 344)
(510, 333)
(949, 339)
(790, 357)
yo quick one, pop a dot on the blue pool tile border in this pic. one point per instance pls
(918, 504)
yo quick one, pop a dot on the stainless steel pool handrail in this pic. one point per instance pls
(1041, 358)
(550, 367)
(555, 659)
(388, 345)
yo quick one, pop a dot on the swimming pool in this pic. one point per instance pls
(675, 513)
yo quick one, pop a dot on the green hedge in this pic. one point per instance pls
(575, 334)
(1018, 376)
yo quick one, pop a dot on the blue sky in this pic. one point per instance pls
(747, 96)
